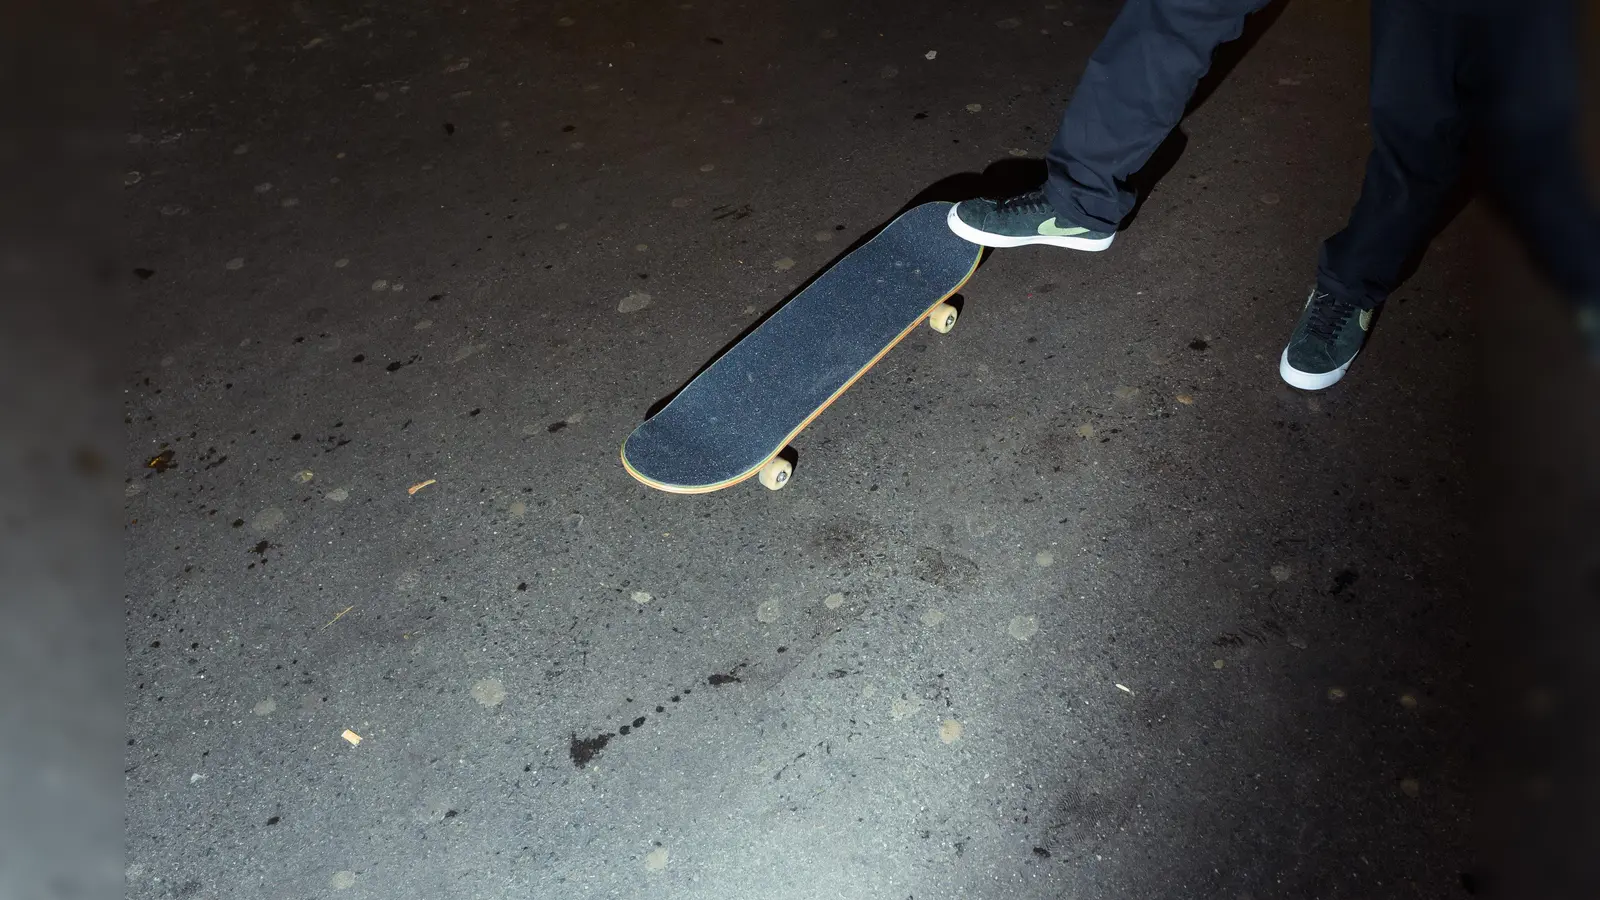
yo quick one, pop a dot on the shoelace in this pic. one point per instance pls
(1328, 315)
(1032, 201)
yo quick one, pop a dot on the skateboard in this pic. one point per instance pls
(735, 418)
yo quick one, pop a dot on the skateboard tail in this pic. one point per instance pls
(746, 475)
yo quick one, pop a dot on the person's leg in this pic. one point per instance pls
(1527, 127)
(1132, 94)
(1419, 128)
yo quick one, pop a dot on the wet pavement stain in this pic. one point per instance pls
(582, 751)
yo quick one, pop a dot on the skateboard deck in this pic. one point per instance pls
(736, 416)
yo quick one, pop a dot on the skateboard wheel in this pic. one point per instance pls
(775, 474)
(943, 318)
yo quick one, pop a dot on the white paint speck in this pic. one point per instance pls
(833, 601)
(382, 284)
(642, 597)
(1023, 627)
(489, 692)
(633, 302)
(267, 520)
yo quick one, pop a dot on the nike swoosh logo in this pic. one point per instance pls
(1048, 228)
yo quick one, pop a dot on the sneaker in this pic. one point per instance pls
(1325, 342)
(1022, 220)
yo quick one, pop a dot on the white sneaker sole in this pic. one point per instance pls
(985, 239)
(1310, 381)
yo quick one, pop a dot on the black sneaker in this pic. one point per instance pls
(1022, 220)
(1325, 342)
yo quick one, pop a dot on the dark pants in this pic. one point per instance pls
(1438, 78)
(1131, 96)
(1505, 84)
